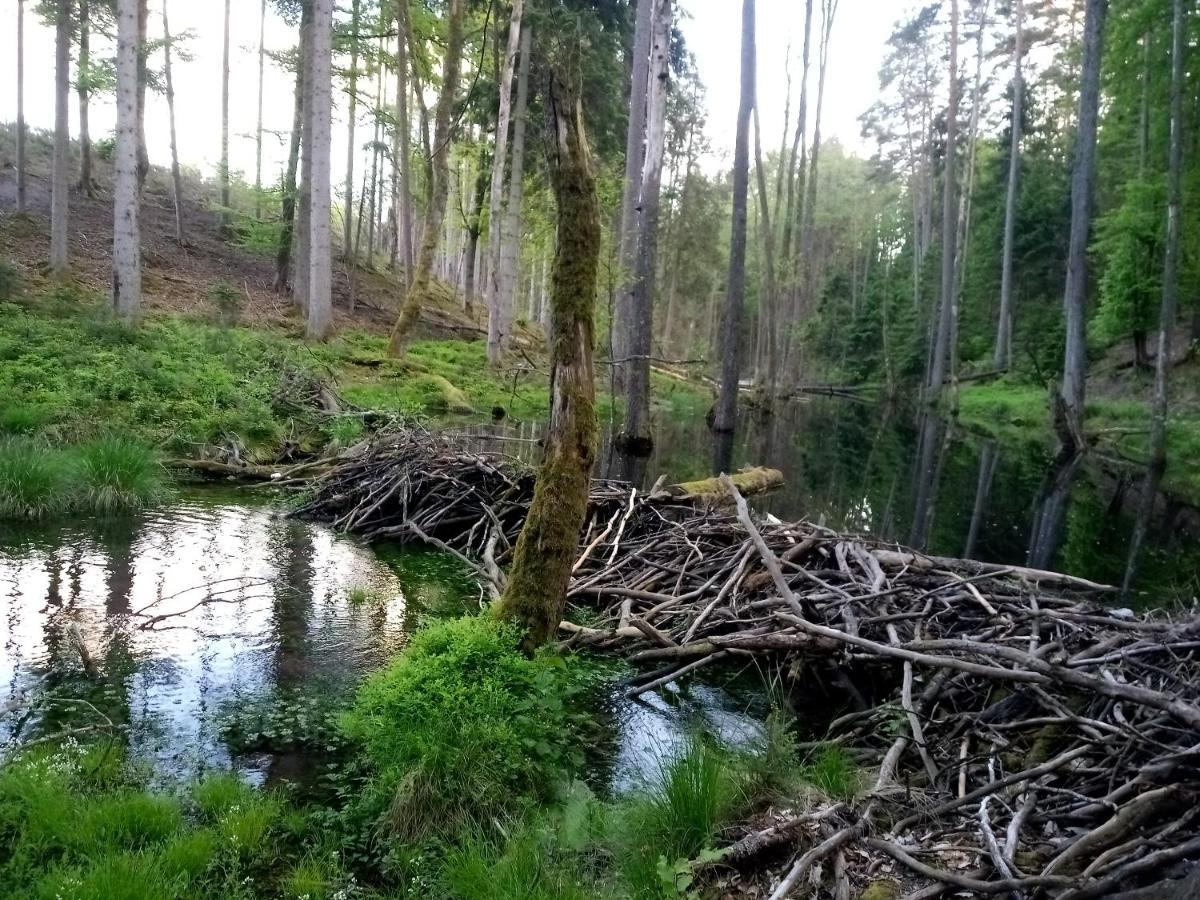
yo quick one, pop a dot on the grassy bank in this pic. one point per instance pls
(457, 774)
(1121, 427)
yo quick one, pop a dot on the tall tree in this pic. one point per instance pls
(404, 158)
(59, 203)
(258, 131)
(726, 414)
(283, 253)
(223, 171)
(1074, 381)
(127, 267)
(176, 176)
(302, 238)
(536, 593)
(142, 83)
(635, 437)
(622, 326)
(495, 294)
(438, 189)
(944, 333)
(319, 321)
(510, 239)
(20, 105)
(351, 122)
(83, 89)
(1002, 357)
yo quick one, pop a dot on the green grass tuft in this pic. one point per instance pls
(35, 481)
(116, 475)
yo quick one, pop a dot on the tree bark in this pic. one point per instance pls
(945, 319)
(319, 321)
(770, 292)
(474, 227)
(301, 245)
(622, 326)
(127, 268)
(537, 587)
(143, 81)
(726, 414)
(20, 105)
(374, 164)
(348, 190)
(176, 176)
(1002, 358)
(223, 169)
(1074, 383)
(83, 89)
(59, 202)
(438, 188)
(510, 238)
(258, 131)
(635, 438)
(404, 125)
(496, 197)
(283, 254)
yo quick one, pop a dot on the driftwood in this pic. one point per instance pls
(1025, 739)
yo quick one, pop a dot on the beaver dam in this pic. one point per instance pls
(1022, 736)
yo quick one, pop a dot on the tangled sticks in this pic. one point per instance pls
(1022, 738)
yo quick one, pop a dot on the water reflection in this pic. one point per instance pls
(921, 481)
(184, 612)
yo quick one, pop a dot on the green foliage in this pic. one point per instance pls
(10, 281)
(1130, 242)
(227, 300)
(463, 728)
(832, 771)
(34, 482)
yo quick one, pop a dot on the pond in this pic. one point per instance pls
(217, 603)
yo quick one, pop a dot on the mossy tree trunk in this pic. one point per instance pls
(437, 189)
(537, 587)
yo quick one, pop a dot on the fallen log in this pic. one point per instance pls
(757, 480)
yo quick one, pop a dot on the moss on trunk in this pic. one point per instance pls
(537, 586)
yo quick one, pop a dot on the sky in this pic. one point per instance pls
(711, 28)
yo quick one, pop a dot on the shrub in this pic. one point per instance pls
(463, 728)
(10, 281)
(116, 475)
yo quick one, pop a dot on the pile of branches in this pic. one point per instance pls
(1022, 736)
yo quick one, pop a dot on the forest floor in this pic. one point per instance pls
(220, 350)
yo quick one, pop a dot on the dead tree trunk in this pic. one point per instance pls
(176, 175)
(84, 91)
(1074, 383)
(944, 333)
(283, 255)
(20, 105)
(622, 326)
(496, 196)
(726, 413)
(536, 592)
(438, 188)
(59, 202)
(127, 251)
(1002, 358)
(635, 438)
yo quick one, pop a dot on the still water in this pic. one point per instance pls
(169, 621)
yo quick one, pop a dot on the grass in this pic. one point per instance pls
(105, 476)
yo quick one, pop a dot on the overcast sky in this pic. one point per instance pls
(711, 28)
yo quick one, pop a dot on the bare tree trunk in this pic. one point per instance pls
(20, 105)
(143, 82)
(536, 593)
(59, 203)
(622, 325)
(223, 166)
(1002, 358)
(495, 295)
(374, 167)
(474, 226)
(258, 132)
(351, 122)
(404, 124)
(726, 415)
(635, 438)
(988, 457)
(510, 238)
(320, 257)
(302, 243)
(770, 294)
(283, 254)
(83, 89)
(945, 320)
(176, 176)
(437, 190)
(127, 267)
(1074, 383)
